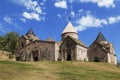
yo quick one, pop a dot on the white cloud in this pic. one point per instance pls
(31, 16)
(71, 1)
(72, 13)
(112, 20)
(34, 8)
(89, 21)
(19, 2)
(7, 19)
(118, 18)
(59, 15)
(42, 3)
(81, 10)
(23, 20)
(61, 4)
(32, 5)
(106, 3)
(29, 4)
(38, 10)
(102, 3)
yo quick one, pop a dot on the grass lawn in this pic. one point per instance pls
(47, 70)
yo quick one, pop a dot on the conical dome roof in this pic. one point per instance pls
(30, 32)
(69, 28)
(100, 37)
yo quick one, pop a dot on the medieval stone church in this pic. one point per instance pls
(102, 51)
(70, 48)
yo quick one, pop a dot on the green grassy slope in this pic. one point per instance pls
(75, 70)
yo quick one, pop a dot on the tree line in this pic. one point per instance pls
(9, 42)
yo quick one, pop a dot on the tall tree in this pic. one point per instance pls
(10, 41)
(2, 43)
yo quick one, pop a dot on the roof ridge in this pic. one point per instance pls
(78, 42)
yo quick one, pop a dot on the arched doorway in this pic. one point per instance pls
(96, 59)
(35, 55)
(69, 58)
(69, 55)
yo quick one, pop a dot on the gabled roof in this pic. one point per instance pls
(69, 28)
(78, 42)
(104, 47)
(100, 37)
(30, 32)
(37, 41)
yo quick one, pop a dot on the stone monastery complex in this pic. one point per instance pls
(70, 48)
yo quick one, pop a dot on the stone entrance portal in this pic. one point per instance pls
(35, 55)
(96, 59)
(69, 55)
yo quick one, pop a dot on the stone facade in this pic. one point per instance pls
(70, 48)
(81, 53)
(73, 49)
(32, 49)
(57, 49)
(101, 51)
(38, 50)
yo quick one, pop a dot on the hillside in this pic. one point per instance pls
(58, 71)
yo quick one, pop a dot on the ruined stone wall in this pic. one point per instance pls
(4, 55)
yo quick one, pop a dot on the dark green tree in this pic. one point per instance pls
(2, 43)
(10, 41)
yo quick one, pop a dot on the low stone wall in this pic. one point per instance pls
(4, 55)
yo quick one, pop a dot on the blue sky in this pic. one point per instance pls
(49, 17)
